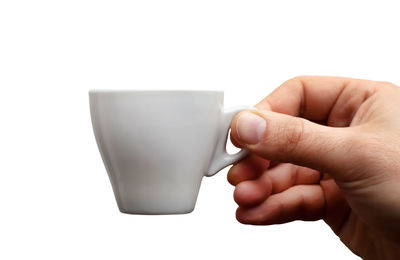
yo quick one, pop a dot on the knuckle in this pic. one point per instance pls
(364, 150)
(290, 134)
(386, 84)
(364, 146)
(299, 78)
(296, 81)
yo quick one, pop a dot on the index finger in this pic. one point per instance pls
(333, 100)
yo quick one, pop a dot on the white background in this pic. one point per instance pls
(55, 198)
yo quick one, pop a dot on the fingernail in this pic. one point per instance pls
(250, 128)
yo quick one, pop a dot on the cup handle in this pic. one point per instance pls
(221, 158)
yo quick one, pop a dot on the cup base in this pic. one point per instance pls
(144, 212)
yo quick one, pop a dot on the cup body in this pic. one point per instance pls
(156, 145)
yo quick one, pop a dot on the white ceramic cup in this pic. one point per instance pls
(158, 145)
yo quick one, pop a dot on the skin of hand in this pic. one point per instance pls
(324, 148)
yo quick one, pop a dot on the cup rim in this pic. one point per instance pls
(151, 91)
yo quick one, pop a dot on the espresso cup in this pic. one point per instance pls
(157, 145)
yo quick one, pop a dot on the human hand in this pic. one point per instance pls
(324, 148)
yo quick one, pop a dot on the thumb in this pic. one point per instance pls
(285, 138)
